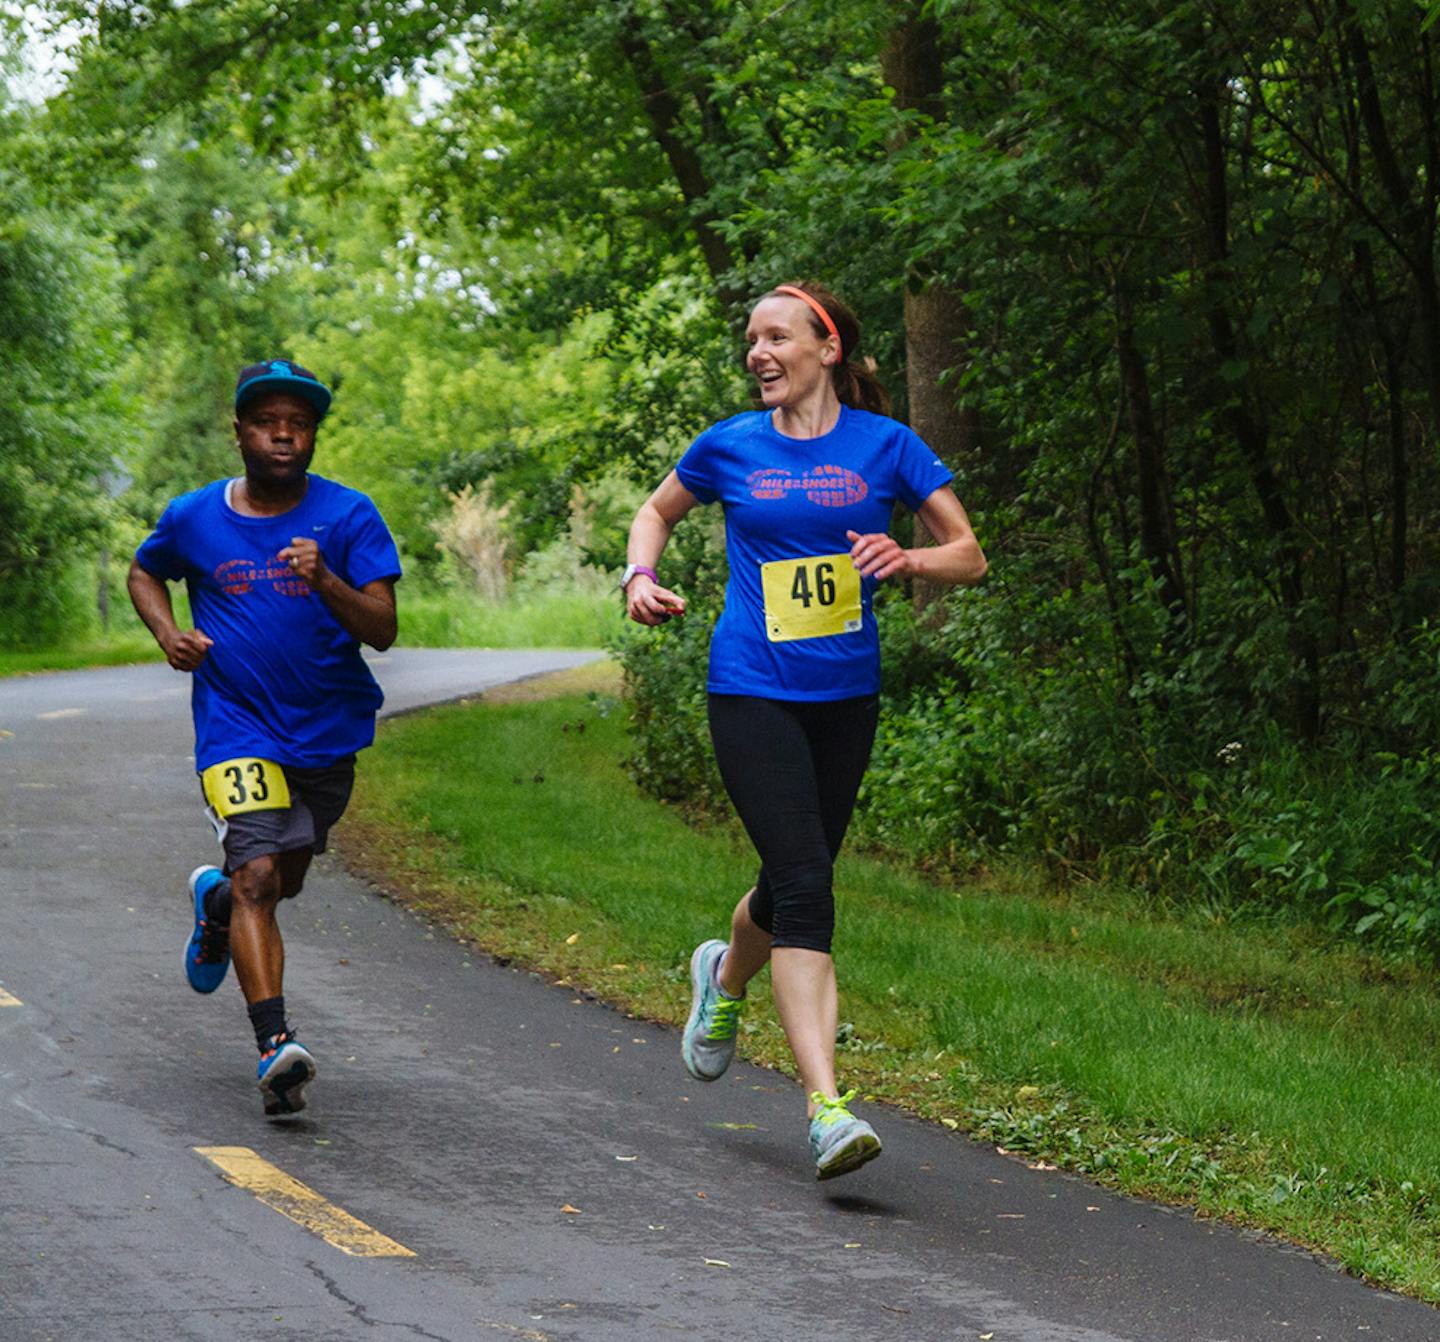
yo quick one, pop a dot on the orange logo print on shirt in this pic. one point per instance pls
(825, 486)
(237, 576)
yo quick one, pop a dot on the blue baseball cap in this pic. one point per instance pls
(281, 375)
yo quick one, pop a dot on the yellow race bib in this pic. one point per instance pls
(814, 597)
(235, 786)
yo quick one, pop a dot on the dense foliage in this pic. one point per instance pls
(61, 421)
(1161, 281)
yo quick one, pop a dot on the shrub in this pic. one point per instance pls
(474, 536)
(1021, 721)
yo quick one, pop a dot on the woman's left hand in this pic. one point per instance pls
(878, 555)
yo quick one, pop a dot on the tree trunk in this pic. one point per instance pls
(662, 106)
(1415, 218)
(1391, 344)
(937, 324)
(936, 331)
(1248, 430)
(102, 590)
(1157, 544)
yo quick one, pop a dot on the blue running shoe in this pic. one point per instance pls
(839, 1142)
(708, 1043)
(207, 953)
(285, 1069)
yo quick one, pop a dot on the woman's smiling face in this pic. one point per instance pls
(786, 357)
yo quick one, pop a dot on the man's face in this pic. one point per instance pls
(276, 435)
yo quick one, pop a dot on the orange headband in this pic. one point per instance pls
(819, 312)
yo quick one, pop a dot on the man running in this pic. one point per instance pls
(287, 574)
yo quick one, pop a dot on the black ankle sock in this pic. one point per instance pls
(268, 1018)
(217, 903)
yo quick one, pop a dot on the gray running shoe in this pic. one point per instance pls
(708, 1043)
(839, 1142)
(284, 1070)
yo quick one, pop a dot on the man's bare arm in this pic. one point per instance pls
(366, 612)
(184, 649)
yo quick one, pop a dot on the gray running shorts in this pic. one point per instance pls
(318, 798)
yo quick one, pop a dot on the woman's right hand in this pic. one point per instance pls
(646, 602)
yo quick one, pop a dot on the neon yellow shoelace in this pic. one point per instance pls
(723, 1020)
(830, 1110)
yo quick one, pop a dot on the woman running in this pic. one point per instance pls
(807, 484)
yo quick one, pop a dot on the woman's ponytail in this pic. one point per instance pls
(861, 388)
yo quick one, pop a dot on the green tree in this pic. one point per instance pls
(212, 254)
(1161, 278)
(63, 423)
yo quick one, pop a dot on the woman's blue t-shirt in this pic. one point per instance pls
(791, 498)
(284, 680)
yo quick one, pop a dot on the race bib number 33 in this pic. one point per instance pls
(235, 786)
(814, 597)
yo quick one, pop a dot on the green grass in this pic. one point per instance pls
(125, 641)
(429, 618)
(115, 651)
(455, 619)
(1249, 1072)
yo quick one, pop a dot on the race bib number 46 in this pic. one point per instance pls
(815, 597)
(235, 786)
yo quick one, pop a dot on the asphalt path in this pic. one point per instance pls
(543, 1162)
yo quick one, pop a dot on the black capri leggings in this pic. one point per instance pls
(792, 770)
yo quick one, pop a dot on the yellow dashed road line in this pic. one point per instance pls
(60, 713)
(7, 999)
(276, 1189)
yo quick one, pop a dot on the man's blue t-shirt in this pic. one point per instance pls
(283, 681)
(790, 499)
